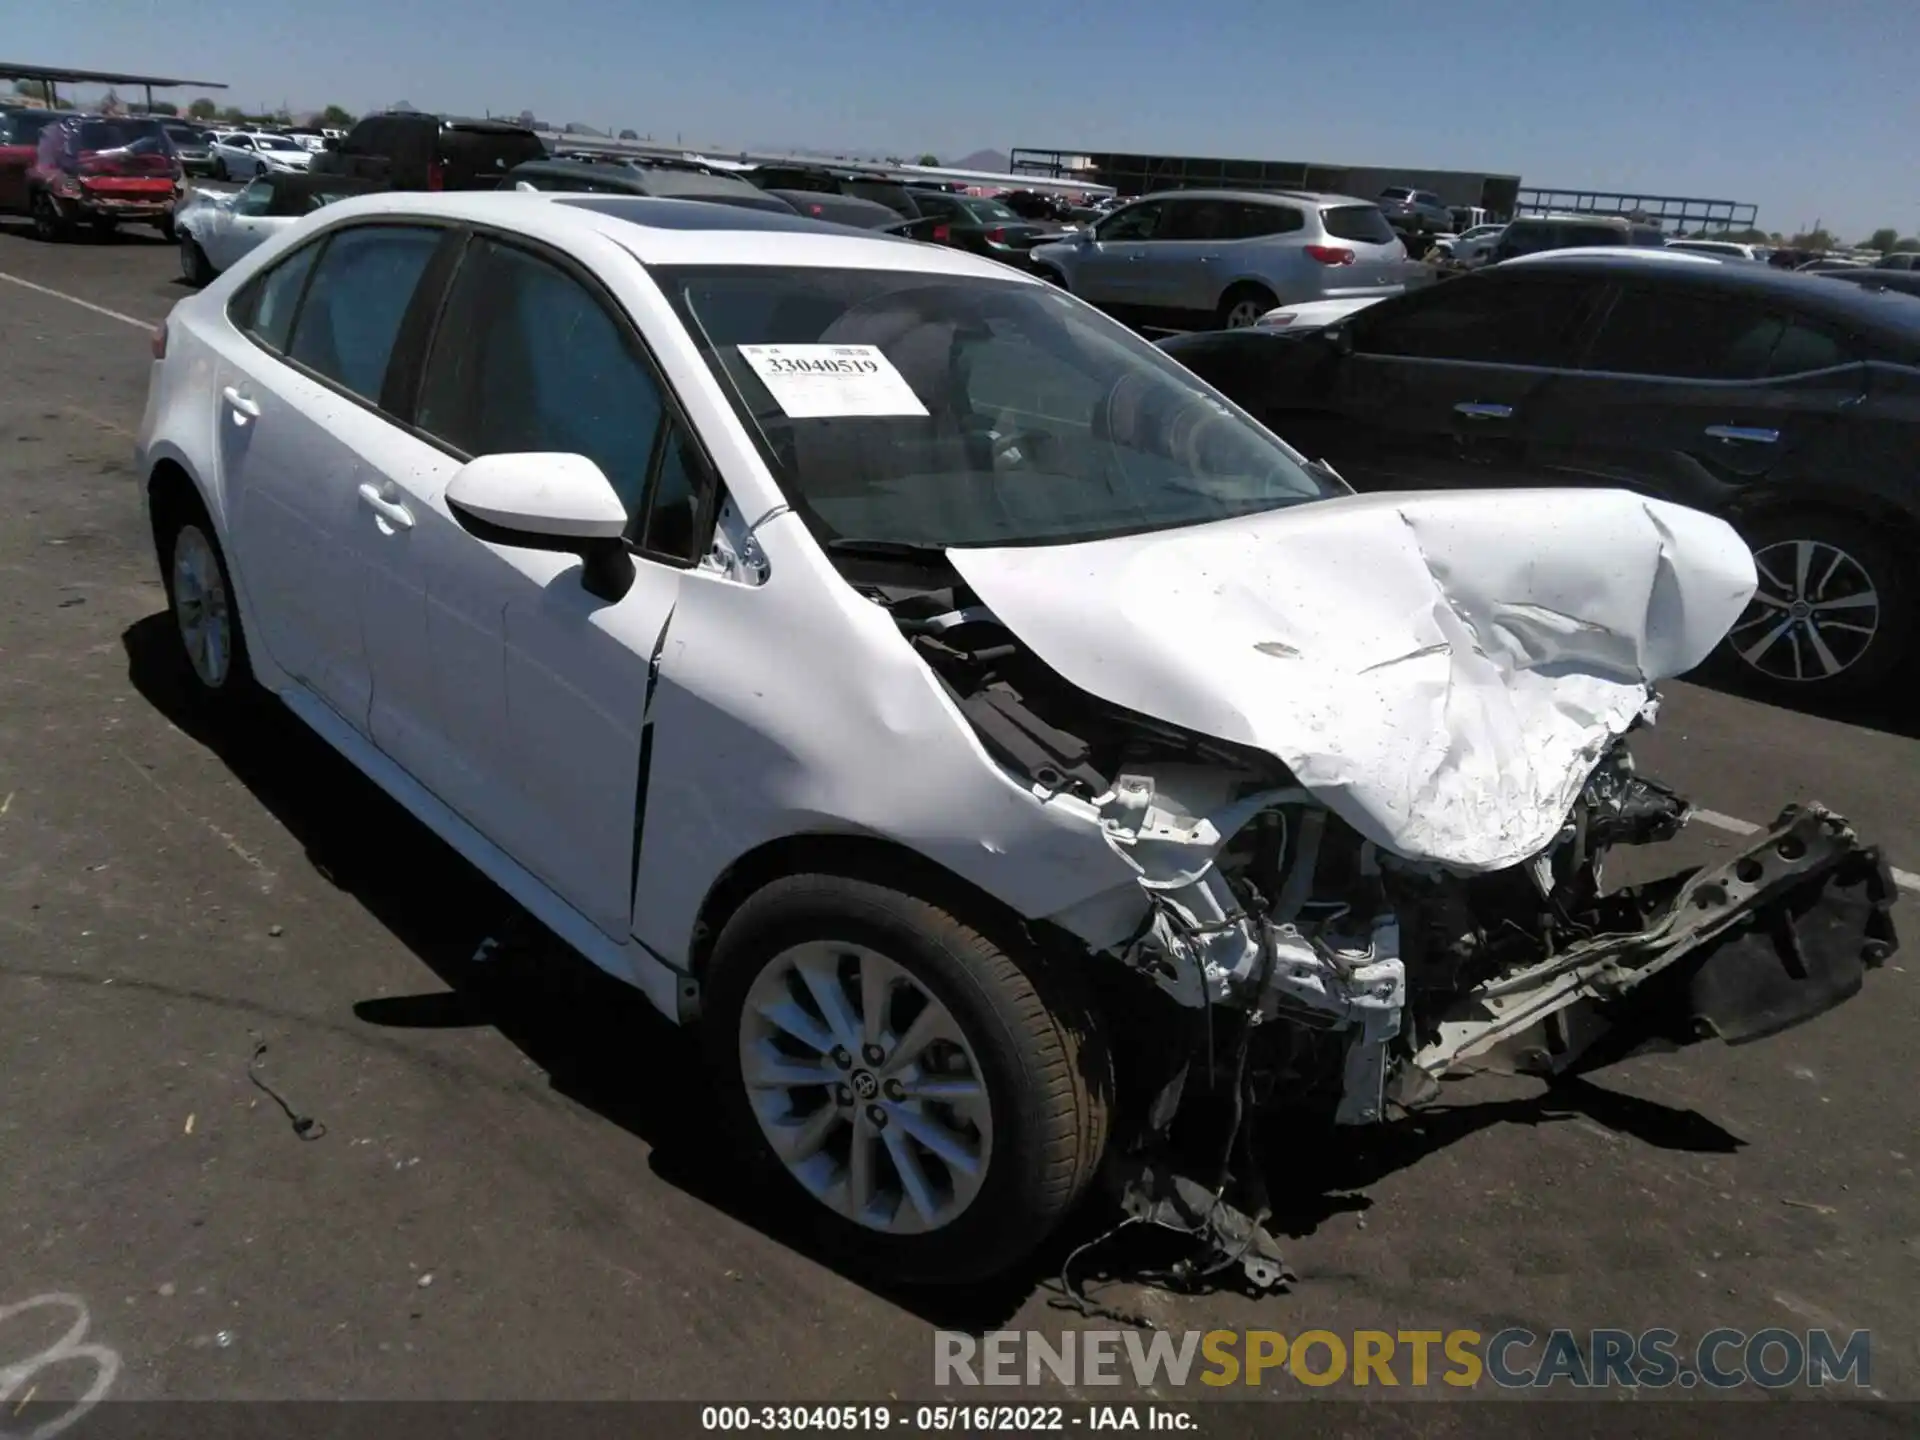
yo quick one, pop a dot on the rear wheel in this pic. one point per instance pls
(1244, 304)
(1833, 612)
(205, 616)
(933, 1104)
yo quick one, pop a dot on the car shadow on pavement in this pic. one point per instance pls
(1892, 713)
(604, 1047)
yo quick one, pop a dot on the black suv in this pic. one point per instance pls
(1531, 234)
(832, 180)
(1787, 404)
(406, 150)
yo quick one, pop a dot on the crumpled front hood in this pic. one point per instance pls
(1443, 670)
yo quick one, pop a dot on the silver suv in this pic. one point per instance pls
(1200, 259)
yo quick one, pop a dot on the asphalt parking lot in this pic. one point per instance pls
(510, 1190)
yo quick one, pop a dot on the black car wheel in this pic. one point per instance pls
(194, 265)
(1244, 304)
(48, 223)
(1832, 611)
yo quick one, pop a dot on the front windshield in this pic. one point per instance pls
(932, 410)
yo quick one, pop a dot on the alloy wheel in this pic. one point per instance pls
(1244, 313)
(866, 1087)
(1815, 613)
(201, 607)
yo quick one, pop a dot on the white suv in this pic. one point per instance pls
(1220, 259)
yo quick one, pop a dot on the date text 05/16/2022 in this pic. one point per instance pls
(943, 1419)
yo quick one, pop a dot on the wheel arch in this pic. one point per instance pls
(859, 856)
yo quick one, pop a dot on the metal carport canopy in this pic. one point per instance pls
(50, 75)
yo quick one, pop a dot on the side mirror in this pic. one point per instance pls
(548, 501)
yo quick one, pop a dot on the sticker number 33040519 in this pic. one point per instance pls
(815, 382)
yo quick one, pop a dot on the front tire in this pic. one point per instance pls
(934, 1103)
(195, 268)
(1833, 614)
(206, 617)
(1244, 304)
(49, 224)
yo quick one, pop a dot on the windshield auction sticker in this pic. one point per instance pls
(817, 382)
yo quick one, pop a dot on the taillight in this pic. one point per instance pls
(815, 210)
(158, 341)
(941, 233)
(436, 176)
(996, 236)
(1330, 254)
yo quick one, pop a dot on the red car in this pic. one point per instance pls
(100, 171)
(20, 129)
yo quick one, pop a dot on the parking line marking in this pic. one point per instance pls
(1905, 879)
(76, 300)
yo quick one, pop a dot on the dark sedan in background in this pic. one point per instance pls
(984, 227)
(1788, 404)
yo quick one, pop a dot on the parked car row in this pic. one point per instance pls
(1785, 403)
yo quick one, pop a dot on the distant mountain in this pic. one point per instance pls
(994, 160)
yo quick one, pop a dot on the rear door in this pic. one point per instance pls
(1179, 282)
(1442, 384)
(1697, 395)
(302, 436)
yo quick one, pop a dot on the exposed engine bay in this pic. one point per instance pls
(1286, 961)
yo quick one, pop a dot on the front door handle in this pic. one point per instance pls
(391, 511)
(1476, 410)
(241, 404)
(1743, 434)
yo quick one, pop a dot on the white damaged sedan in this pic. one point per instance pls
(1020, 764)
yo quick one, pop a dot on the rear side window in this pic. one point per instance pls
(270, 301)
(526, 358)
(1684, 335)
(360, 292)
(1250, 222)
(1803, 347)
(1196, 220)
(1495, 320)
(1362, 224)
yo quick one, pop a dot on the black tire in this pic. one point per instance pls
(49, 224)
(195, 268)
(1243, 304)
(1042, 1057)
(1866, 564)
(236, 687)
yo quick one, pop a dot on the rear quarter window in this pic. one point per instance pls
(1362, 224)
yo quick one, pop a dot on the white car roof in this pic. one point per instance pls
(1616, 252)
(661, 231)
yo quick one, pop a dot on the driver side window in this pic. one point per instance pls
(1136, 222)
(254, 200)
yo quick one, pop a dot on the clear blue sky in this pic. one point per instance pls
(1809, 108)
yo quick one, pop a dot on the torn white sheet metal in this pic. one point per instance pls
(1443, 670)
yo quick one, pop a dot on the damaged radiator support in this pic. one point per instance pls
(1781, 932)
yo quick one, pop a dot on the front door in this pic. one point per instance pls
(528, 709)
(1106, 271)
(1442, 385)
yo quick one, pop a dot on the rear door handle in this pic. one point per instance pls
(240, 403)
(391, 511)
(1476, 410)
(1743, 434)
